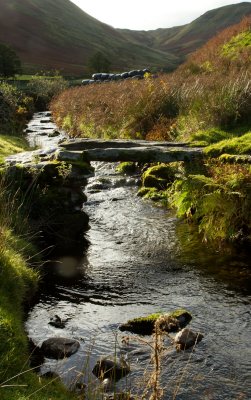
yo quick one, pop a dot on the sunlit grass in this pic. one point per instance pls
(12, 145)
(234, 145)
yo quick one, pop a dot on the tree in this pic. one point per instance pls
(99, 63)
(10, 63)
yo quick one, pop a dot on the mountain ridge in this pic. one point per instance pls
(49, 34)
(184, 39)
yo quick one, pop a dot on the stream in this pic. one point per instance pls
(141, 259)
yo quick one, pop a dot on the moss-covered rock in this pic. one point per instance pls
(126, 167)
(158, 176)
(172, 322)
(164, 171)
(153, 194)
(143, 191)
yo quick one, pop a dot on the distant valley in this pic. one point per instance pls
(57, 35)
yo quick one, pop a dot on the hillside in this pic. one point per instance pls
(50, 34)
(183, 40)
(59, 35)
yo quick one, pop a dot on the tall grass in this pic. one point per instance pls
(211, 89)
(115, 109)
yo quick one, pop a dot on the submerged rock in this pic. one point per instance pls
(59, 347)
(187, 338)
(54, 134)
(171, 322)
(107, 368)
(57, 322)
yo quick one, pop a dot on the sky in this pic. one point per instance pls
(148, 14)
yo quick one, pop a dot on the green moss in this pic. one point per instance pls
(145, 325)
(144, 191)
(209, 136)
(152, 181)
(158, 176)
(238, 159)
(153, 194)
(126, 167)
(236, 145)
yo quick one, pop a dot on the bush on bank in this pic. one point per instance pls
(15, 108)
(44, 88)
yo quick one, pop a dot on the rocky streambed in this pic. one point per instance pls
(142, 260)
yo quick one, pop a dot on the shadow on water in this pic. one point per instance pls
(229, 265)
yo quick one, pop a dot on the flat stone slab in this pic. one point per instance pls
(85, 144)
(136, 154)
(59, 347)
(31, 157)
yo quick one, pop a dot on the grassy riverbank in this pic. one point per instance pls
(19, 276)
(206, 102)
(18, 284)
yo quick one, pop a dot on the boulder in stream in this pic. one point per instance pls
(53, 134)
(57, 322)
(107, 368)
(187, 338)
(170, 322)
(59, 347)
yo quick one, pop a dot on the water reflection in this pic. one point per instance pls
(230, 265)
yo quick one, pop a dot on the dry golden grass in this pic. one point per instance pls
(211, 89)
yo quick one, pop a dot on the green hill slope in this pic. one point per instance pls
(183, 40)
(58, 34)
(49, 34)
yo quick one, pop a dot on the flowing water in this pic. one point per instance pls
(140, 260)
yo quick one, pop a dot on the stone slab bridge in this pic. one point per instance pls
(125, 150)
(54, 178)
(76, 151)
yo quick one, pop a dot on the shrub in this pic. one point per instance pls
(15, 108)
(43, 89)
